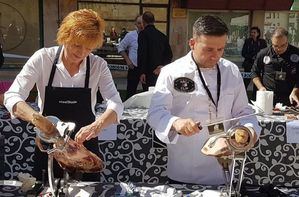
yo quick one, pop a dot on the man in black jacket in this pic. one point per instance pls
(153, 51)
(276, 69)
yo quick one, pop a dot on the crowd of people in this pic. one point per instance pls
(199, 88)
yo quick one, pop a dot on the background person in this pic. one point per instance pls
(123, 33)
(153, 51)
(128, 49)
(196, 89)
(67, 80)
(251, 47)
(113, 34)
(276, 69)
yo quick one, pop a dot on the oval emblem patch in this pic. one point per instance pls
(294, 58)
(184, 84)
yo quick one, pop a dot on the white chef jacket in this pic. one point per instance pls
(186, 163)
(37, 71)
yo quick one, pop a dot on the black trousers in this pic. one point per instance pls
(132, 81)
(247, 65)
(151, 80)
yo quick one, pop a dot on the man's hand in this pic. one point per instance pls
(257, 82)
(294, 97)
(131, 66)
(186, 127)
(142, 79)
(158, 70)
(262, 88)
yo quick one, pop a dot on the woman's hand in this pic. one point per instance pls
(91, 131)
(86, 133)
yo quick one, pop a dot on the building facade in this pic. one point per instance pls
(27, 25)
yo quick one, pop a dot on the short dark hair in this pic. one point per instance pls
(209, 25)
(257, 30)
(148, 17)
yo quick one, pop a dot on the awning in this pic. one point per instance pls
(273, 5)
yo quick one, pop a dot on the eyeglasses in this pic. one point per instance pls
(280, 46)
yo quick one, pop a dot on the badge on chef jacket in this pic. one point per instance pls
(294, 58)
(280, 76)
(215, 128)
(266, 59)
(184, 84)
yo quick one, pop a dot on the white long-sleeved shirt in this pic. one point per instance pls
(186, 163)
(37, 71)
(130, 44)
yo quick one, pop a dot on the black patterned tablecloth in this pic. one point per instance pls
(138, 156)
(273, 160)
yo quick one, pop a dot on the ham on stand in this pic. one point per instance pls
(53, 138)
(229, 147)
(70, 155)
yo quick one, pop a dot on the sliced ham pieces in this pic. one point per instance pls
(74, 157)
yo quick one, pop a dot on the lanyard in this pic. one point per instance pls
(205, 85)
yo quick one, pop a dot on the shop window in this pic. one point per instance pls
(116, 1)
(19, 31)
(113, 11)
(286, 19)
(155, 1)
(237, 23)
(119, 16)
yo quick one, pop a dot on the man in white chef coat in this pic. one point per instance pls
(195, 90)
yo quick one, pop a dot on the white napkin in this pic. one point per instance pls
(108, 133)
(293, 131)
(141, 100)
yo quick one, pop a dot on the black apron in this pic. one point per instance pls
(69, 105)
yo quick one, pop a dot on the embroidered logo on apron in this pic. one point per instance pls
(68, 102)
